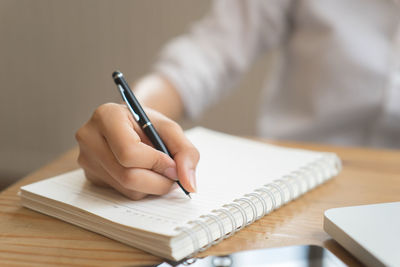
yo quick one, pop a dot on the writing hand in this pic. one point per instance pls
(115, 152)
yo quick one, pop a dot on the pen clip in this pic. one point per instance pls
(121, 90)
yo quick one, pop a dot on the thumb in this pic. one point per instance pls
(165, 166)
(186, 162)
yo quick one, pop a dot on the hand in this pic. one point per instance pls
(115, 152)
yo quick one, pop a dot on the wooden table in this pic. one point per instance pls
(29, 238)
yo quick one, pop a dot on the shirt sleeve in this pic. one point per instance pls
(210, 59)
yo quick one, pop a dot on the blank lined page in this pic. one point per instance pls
(229, 167)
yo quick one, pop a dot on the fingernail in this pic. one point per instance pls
(171, 173)
(192, 179)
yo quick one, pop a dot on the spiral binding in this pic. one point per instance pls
(318, 166)
(289, 178)
(242, 212)
(192, 235)
(207, 229)
(262, 201)
(286, 188)
(304, 174)
(270, 195)
(279, 189)
(220, 227)
(310, 175)
(252, 206)
(232, 221)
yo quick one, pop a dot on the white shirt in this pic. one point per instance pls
(339, 81)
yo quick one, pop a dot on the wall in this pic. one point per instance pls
(56, 63)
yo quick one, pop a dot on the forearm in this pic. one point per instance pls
(156, 92)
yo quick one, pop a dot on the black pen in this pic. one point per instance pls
(141, 117)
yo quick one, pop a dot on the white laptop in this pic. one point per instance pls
(370, 232)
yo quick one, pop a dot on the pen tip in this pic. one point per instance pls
(189, 196)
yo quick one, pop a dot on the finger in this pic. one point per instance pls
(94, 179)
(125, 143)
(186, 163)
(145, 181)
(134, 179)
(89, 165)
(185, 154)
(96, 174)
(134, 195)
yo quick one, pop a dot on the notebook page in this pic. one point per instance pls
(229, 168)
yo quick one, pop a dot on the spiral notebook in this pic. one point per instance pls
(238, 181)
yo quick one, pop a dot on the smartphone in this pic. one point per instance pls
(293, 256)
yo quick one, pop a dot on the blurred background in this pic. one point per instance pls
(56, 63)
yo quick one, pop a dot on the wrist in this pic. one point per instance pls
(156, 92)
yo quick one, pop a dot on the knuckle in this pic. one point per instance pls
(136, 140)
(168, 124)
(99, 112)
(173, 126)
(159, 162)
(102, 110)
(80, 134)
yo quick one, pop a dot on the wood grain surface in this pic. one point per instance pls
(28, 238)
